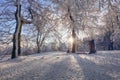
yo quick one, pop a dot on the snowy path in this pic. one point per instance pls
(63, 66)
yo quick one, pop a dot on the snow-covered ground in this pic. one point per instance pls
(105, 65)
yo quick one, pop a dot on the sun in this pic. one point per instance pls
(70, 40)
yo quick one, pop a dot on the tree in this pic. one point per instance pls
(78, 14)
(17, 34)
(16, 37)
(111, 21)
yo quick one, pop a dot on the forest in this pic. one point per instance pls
(34, 26)
(59, 39)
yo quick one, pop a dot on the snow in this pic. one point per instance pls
(105, 65)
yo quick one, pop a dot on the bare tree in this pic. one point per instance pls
(17, 34)
(16, 37)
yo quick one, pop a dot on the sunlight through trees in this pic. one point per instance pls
(47, 25)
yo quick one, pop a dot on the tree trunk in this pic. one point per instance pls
(16, 36)
(39, 50)
(92, 46)
(74, 41)
(19, 40)
(110, 47)
(38, 47)
(38, 43)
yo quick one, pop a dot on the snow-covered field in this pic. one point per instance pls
(105, 65)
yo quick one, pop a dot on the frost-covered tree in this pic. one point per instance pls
(78, 14)
(17, 34)
(16, 37)
(112, 20)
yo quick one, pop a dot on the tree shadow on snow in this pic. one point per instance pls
(58, 71)
(91, 70)
(51, 72)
